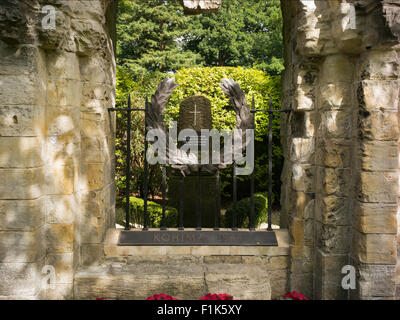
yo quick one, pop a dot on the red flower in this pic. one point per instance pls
(294, 296)
(161, 296)
(222, 296)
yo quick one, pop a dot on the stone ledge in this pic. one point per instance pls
(111, 248)
(184, 281)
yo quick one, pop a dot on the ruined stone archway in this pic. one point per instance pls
(340, 180)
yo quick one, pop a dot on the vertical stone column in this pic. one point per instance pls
(298, 131)
(63, 149)
(56, 143)
(376, 201)
(22, 159)
(341, 82)
(333, 181)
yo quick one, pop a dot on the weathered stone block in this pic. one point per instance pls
(62, 65)
(296, 231)
(380, 95)
(333, 181)
(223, 259)
(304, 98)
(21, 152)
(380, 64)
(92, 92)
(302, 282)
(20, 279)
(335, 124)
(60, 180)
(93, 150)
(63, 150)
(62, 39)
(333, 153)
(19, 60)
(330, 288)
(379, 126)
(278, 286)
(93, 176)
(17, 90)
(302, 178)
(278, 263)
(336, 96)
(375, 248)
(301, 266)
(333, 239)
(22, 215)
(378, 187)
(91, 254)
(89, 37)
(301, 124)
(337, 68)
(92, 218)
(61, 209)
(63, 266)
(241, 281)
(300, 252)
(140, 281)
(330, 264)
(26, 246)
(302, 150)
(21, 183)
(333, 210)
(19, 121)
(375, 218)
(310, 40)
(60, 238)
(64, 92)
(376, 281)
(61, 121)
(93, 70)
(92, 125)
(62, 291)
(300, 204)
(379, 156)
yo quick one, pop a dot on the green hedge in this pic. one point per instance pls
(206, 81)
(154, 211)
(243, 211)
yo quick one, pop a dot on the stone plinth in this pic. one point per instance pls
(185, 272)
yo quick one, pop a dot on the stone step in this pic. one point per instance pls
(185, 281)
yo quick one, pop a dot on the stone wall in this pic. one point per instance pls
(186, 272)
(56, 141)
(340, 180)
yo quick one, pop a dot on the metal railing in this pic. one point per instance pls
(217, 219)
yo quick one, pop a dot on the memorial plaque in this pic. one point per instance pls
(197, 238)
(195, 113)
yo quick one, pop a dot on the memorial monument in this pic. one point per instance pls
(195, 114)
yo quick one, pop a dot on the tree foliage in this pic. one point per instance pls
(243, 33)
(149, 36)
(155, 36)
